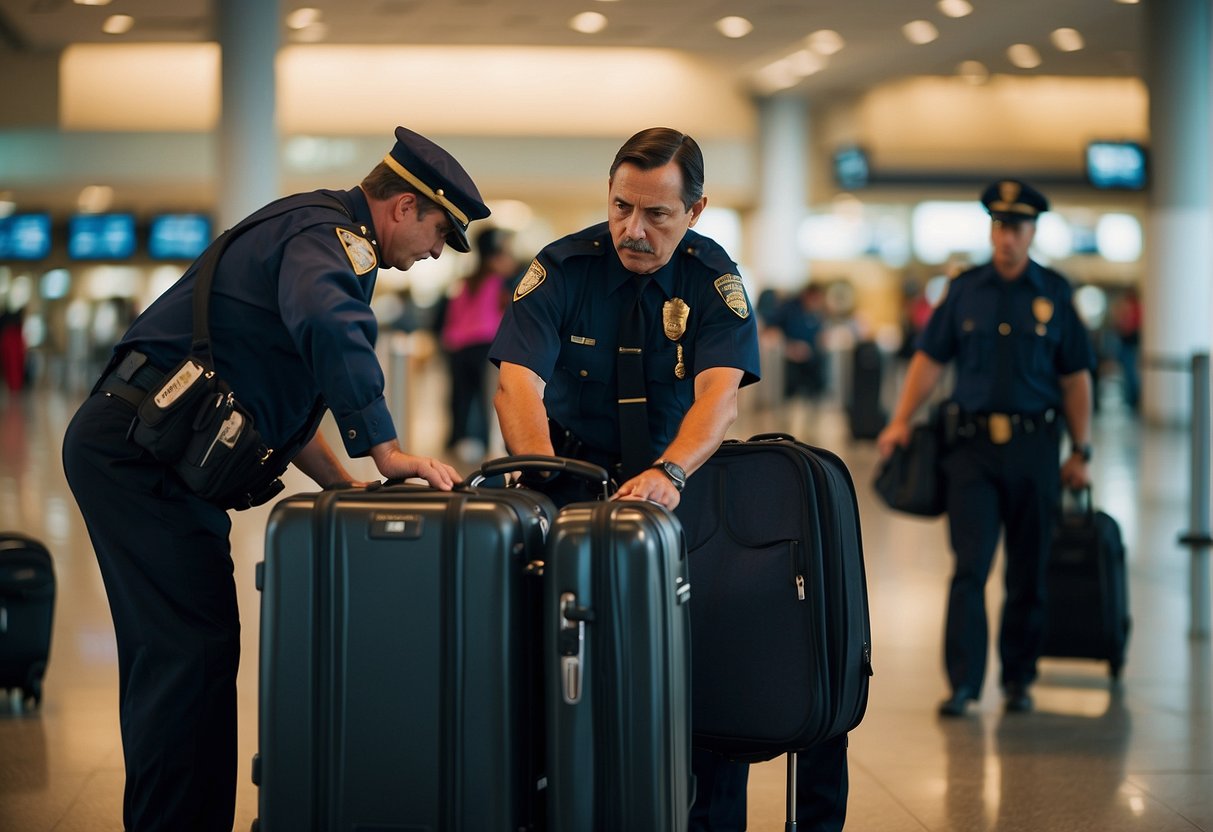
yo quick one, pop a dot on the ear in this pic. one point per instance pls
(405, 203)
(697, 209)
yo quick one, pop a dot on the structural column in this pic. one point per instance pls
(247, 136)
(1178, 283)
(783, 141)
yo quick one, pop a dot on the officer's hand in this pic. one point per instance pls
(894, 434)
(652, 485)
(1075, 474)
(437, 473)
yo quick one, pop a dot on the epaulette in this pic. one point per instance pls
(589, 242)
(708, 252)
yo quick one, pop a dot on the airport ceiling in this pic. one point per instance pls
(875, 51)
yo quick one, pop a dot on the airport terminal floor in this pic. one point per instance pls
(1090, 757)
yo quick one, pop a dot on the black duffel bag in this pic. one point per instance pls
(911, 479)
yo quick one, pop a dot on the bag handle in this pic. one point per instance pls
(539, 462)
(772, 437)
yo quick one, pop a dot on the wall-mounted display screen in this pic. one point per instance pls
(178, 236)
(1116, 165)
(101, 237)
(25, 237)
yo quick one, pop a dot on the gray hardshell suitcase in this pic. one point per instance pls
(397, 662)
(617, 648)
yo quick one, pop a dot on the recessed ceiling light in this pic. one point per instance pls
(956, 8)
(1067, 40)
(777, 76)
(118, 24)
(734, 27)
(302, 18)
(973, 72)
(588, 23)
(825, 42)
(93, 2)
(1024, 56)
(920, 31)
(1128, 2)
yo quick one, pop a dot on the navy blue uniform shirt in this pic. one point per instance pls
(566, 328)
(290, 322)
(1012, 339)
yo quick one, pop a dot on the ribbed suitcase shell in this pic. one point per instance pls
(619, 755)
(396, 672)
(27, 610)
(780, 629)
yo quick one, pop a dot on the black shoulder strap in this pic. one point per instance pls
(201, 345)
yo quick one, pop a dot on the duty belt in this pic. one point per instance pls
(1001, 427)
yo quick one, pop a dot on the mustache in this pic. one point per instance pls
(636, 245)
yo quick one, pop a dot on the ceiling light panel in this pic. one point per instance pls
(1024, 56)
(956, 8)
(1067, 40)
(825, 42)
(734, 27)
(118, 24)
(920, 32)
(588, 23)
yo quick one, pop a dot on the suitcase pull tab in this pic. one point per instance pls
(571, 643)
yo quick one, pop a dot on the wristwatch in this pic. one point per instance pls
(673, 471)
(1083, 450)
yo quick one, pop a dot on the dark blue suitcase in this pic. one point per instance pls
(618, 657)
(1087, 601)
(27, 610)
(399, 633)
(782, 643)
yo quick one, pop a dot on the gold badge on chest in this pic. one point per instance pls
(674, 316)
(1042, 308)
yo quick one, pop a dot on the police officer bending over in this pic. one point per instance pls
(1023, 362)
(292, 333)
(625, 346)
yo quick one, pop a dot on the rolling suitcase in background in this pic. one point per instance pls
(398, 669)
(27, 608)
(780, 634)
(1087, 605)
(866, 416)
(616, 648)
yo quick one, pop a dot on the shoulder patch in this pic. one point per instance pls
(729, 287)
(535, 275)
(359, 250)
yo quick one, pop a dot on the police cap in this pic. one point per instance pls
(1012, 200)
(436, 175)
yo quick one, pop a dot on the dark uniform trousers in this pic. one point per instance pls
(1013, 486)
(165, 558)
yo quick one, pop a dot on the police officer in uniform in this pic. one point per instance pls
(1023, 367)
(293, 334)
(565, 386)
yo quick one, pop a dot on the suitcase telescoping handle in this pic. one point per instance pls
(538, 462)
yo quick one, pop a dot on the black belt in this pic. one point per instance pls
(130, 379)
(1001, 427)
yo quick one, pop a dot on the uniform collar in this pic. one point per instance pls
(355, 200)
(1032, 276)
(617, 275)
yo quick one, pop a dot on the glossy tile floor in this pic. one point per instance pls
(1139, 757)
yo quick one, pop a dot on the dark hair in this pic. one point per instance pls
(658, 146)
(384, 183)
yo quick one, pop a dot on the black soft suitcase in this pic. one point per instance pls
(27, 608)
(618, 658)
(781, 640)
(866, 416)
(1087, 601)
(399, 633)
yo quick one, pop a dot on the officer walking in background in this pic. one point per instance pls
(625, 346)
(293, 334)
(1023, 363)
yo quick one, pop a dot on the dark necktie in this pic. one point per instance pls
(635, 445)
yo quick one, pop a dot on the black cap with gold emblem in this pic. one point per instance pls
(1012, 200)
(437, 175)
